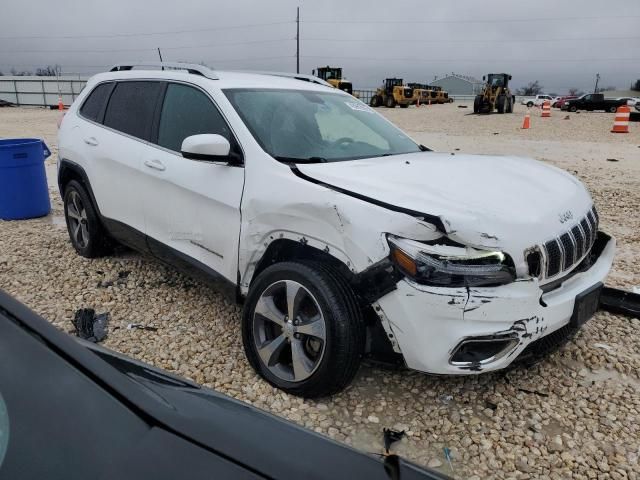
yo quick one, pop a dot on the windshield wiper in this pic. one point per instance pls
(301, 160)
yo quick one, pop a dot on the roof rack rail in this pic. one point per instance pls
(297, 76)
(192, 68)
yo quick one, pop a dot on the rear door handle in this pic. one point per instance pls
(155, 164)
(91, 141)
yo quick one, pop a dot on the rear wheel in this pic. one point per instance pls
(302, 329)
(573, 108)
(86, 232)
(390, 102)
(613, 109)
(501, 103)
(375, 101)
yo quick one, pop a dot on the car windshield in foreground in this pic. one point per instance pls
(302, 126)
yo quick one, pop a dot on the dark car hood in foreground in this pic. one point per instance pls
(78, 412)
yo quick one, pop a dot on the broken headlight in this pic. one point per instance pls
(450, 266)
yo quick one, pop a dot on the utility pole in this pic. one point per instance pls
(298, 41)
(595, 90)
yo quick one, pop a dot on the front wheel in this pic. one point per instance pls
(302, 329)
(375, 101)
(390, 102)
(529, 104)
(477, 102)
(573, 108)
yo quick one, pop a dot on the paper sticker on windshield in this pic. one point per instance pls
(358, 106)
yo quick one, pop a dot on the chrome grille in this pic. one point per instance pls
(563, 252)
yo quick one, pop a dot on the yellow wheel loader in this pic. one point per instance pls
(393, 92)
(333, 75)
(495, 95)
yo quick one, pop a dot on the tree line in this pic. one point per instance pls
(47, 71)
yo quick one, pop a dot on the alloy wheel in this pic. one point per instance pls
(289, 330)
(77, 217)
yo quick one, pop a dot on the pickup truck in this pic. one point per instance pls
(593, 101)
(537, 100)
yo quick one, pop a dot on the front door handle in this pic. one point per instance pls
(91, 141)
(155, 164)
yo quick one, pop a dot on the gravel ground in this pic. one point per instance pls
(575, 415)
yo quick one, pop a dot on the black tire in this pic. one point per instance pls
(390, 102)
(501, 102)
(477, 103)
(404, 105)
(344, 327)
(613, 109)
(375, 101)
(529, 104)
(97, 242)
(573, 108)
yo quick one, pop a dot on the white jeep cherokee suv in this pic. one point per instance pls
(341, 236)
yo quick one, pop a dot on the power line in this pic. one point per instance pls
(414, 60)
(493, 20)
(110, 50)
(536, 40)
(104, 66)
(144, 34)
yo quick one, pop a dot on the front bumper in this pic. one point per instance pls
(430, 323)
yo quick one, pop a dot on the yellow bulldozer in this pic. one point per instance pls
(333, 75)
(392, 92)
(495, 95)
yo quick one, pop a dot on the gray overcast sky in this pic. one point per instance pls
(550, 41)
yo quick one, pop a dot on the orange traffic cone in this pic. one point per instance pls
(621, 122)
(60, 104)
(527, 121)
(546, 109)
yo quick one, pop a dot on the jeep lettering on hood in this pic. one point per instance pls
(482, 200)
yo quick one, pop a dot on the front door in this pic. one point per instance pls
(192, 207)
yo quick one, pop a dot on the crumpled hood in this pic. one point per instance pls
(482, 200)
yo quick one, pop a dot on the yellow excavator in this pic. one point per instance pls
(393, 92)
(333, 75)
(495, 95)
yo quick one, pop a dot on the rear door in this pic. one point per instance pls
(192, 207)
(117, 148)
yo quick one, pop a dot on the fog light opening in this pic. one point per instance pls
(482, 350)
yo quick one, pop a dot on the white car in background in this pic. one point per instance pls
(339, 234)
(631, 101)
(538, 100)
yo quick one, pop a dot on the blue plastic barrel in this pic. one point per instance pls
(23, 180)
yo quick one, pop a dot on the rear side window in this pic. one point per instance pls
(188, 111)
(93, 106)
(131, 108)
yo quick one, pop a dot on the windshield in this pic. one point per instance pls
(299, 125)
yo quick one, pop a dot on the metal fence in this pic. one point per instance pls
(40, 91)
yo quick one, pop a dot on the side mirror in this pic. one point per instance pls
(206, 147)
